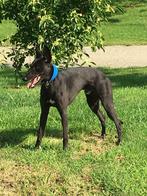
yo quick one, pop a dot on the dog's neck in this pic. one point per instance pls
(53, 73)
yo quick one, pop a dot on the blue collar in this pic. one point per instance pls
(55, 72)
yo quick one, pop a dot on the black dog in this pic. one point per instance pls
(61, 91)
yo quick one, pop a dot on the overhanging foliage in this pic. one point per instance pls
(67, 26)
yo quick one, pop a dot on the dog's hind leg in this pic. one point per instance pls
(109, 107)
(105, 94)
(93, 102)
(43, 119)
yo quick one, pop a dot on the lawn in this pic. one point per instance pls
(7, 28)
(128, 28)
(90, 166)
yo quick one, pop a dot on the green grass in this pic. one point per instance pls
(90, 166)
(129, 28)
(129, 3)
(7, 28)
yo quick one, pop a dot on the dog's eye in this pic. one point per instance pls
(38, 69)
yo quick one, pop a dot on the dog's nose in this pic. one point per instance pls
(24, 78)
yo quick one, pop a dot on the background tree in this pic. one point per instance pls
(67, 25)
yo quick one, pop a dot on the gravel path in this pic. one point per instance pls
(114, 56)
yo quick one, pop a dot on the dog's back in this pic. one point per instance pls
(81, 77)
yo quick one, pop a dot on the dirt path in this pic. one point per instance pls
(120, 56)
(114, 56)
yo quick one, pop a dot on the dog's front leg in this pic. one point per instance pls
(43, 119)
(63, 114)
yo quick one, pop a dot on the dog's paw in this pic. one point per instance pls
(118, 142)
(103, 137)
(38, 148)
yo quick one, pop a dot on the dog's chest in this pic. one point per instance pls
(48, 94)
(51, 101)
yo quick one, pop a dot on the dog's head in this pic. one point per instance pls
(40, 68)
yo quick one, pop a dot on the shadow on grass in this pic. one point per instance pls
(74, 132)
(13, 137)
(129, 80)
(136, 77)
(54, 133)
(114, 20)
(143, 10)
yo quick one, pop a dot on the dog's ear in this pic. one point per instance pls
(47, 54)
(38, 52)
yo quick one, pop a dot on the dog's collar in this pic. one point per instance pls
(54, 73)
(53, 77)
